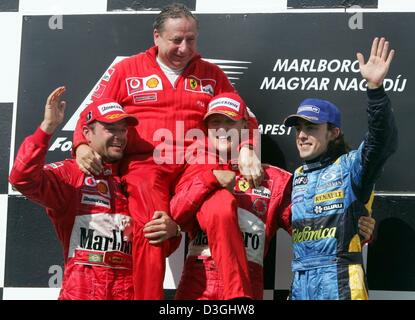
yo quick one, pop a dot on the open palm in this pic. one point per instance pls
(376, 68)
(54, 111)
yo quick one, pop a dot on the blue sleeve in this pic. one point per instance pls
(380, 142)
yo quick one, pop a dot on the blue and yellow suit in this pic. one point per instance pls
(329, 196)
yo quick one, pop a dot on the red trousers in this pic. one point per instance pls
(149, 186)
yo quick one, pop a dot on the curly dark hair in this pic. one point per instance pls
(174, 11)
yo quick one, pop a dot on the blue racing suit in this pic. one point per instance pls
(329, 196)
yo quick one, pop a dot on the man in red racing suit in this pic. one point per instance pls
(89, 213)
(261, 210)
(168, 87)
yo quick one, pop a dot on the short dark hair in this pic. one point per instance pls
(338, 146)
(174, 11)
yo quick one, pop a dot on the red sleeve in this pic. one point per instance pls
(190, 195)
(48, 185)
(109, 86)
(284, 214)
(281, 216)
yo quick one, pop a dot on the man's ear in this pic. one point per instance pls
(156, 35)
(334, 133)
(86, 131)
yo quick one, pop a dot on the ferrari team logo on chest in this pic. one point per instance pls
(243, 185)
(193, 84)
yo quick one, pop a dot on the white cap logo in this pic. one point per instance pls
(227, 102)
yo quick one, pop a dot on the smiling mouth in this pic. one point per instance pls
(117, 146)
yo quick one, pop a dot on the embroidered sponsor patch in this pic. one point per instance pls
(141, 98)
(95, 200)
(260, 206)
(338, 194)
(262, 192)
(328, 176)
(300, 180)
(109, 107)
(297, 199)
(208, 89)
(243, 185)
(227, 102)
(107, 75)
(152, 83)
(309, 108)
(195, 84)
(299, 190)
(90, 181)
(142, 84)
(102, 187)
(93, 257)
(329, 207)
(309, 234)
(99, 90)
(330, 184)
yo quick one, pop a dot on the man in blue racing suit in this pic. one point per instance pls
(333, 186)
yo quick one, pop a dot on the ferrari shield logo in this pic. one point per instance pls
(243, 185)
(193, 84)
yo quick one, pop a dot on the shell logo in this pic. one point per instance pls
(152, 83)
(102, 187)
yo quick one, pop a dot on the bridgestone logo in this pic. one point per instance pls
(227, 102)
(109, 107)
(95, 200)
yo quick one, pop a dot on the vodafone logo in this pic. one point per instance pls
(90, 182)
(135, 83)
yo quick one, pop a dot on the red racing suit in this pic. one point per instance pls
(155, 161)
(261, 211)
(90, 216)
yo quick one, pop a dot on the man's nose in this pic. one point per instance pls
(183, 47)
(302, 134)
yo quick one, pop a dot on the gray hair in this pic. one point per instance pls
(173, 11)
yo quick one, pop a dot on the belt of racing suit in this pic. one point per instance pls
(109, 259)
(307, 263)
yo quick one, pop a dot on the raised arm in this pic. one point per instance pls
(46, 185)
(381, 139)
